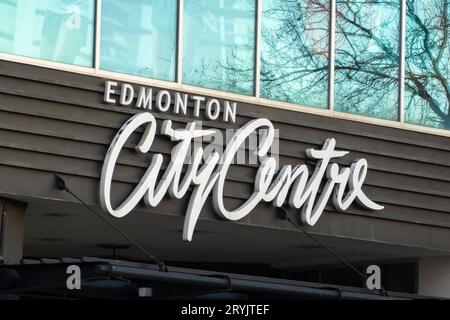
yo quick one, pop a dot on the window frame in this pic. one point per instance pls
(251, 99)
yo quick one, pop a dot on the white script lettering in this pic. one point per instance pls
(291, 185)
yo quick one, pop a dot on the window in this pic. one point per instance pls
(294, 51)
(139, 37)
(218, 44)
(57, 30)
(367, 57)
(218, 40)
(427, 72)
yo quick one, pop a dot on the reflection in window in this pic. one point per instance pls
(427, 88)
(57, 30)
(367, 57)
(218, 44)
(139, 37)
(294, 51)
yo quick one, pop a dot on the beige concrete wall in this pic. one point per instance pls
(434, 277)
(12, 222)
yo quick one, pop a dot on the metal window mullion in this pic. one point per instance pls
(401, 91)
(258, 24)
(331, 54)
(179, 54)
(98, 19)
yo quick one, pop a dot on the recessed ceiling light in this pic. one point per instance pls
(196, 231)
(53, 239)
(306, 246)
(114, 246)
(56, 215)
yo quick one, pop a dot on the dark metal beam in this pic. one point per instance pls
(225, 282)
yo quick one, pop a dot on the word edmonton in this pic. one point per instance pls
(213, 108)
(290, 185)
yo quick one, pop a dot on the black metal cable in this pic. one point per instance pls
(61, 185)
(282, 214)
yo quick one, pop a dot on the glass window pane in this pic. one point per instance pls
(57, 30)
(367, 57)
(294, 51)
(218, 44)
(139, 37)
(427, 72)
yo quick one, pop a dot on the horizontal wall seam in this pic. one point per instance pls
(364, 133)
(283, 137)
(328, 209)
(238, 195)
(128, 146)
(143, 165)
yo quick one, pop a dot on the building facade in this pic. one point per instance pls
(352, 96)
